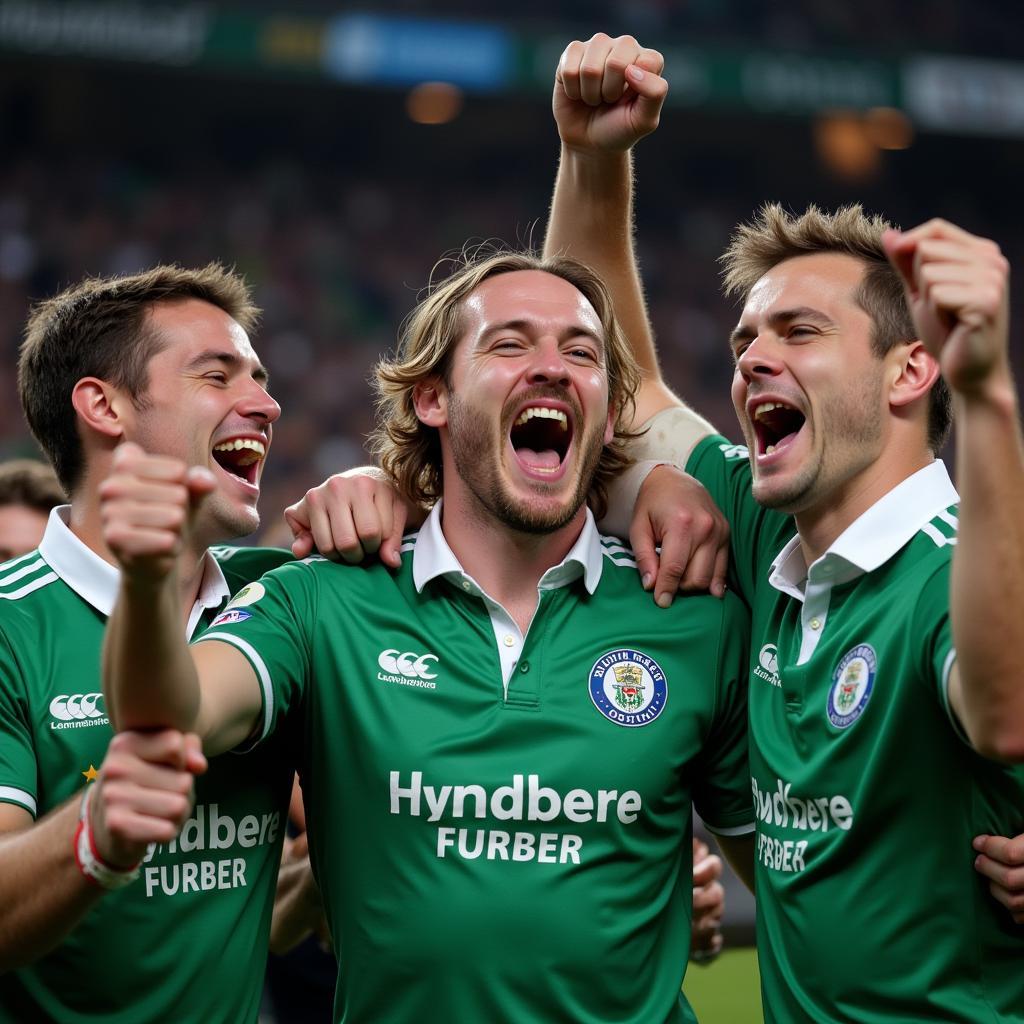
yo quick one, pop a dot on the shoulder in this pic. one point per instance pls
(927, 555)
(939, 533)
(26, 584)
(242, 564)
(616, 555)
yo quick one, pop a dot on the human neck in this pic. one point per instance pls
(508, 564)
(86, 524)
(820, 525)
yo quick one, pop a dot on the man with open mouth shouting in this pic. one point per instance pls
(88, 890)
(886, 705)
(503, 737)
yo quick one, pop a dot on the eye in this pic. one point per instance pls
(582, 353)
(217, 376)
(802, 331)
(508, 345)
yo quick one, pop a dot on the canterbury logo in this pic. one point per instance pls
(409, 664)
(76, 706)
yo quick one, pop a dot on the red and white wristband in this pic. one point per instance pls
(88, 859)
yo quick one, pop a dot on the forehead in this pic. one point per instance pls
(533, 296)
(826, 281)
(190, 326)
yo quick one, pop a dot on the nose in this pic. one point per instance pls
(548, 365)
(257, 403)
(760, 358)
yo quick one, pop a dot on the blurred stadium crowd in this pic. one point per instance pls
(335, 206)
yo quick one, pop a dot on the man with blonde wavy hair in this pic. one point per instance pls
(503, 737)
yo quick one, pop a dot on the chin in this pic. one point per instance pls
(233, 522)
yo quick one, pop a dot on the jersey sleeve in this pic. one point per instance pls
(933, 627)
(269, 622)
(757, 534)
(18, 772)
(721, 793)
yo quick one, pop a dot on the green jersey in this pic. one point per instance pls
(186, 942)
(500, 824)
(867, 794)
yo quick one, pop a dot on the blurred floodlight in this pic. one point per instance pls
(888, 128)
(844, 146)
(434, 103)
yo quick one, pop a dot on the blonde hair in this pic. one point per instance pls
(776, 235)
(408, 450)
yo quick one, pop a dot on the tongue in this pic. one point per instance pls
(547, 459)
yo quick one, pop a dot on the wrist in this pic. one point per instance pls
(91, 863)
(996, 393)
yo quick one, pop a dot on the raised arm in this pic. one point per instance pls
(957, 285)
(152, 679)
(608, 95)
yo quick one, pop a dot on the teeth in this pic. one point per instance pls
(769, 449)
(545, 414)
(767, 407)
(242, 442)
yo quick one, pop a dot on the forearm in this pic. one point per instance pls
(987, 590)
(43, 895)
(149, 678)
(591, 220)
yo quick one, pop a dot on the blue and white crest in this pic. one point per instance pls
(628, 687)
(852, 683)
(231, 615)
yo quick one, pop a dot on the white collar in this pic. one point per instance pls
(432, 557)
(873, 538)
(97, 581)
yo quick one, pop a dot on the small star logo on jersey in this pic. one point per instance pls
(852, 683)
(628, 687)
(91, 775)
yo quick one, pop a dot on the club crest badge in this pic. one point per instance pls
(852, 683)
(628, 687)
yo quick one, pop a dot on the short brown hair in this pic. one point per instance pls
(30, 483)
(408, 450)
(775, 236)
(98, 328)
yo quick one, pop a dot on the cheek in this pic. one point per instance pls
(739, 392)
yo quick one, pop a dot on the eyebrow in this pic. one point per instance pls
(523, 326)
(779, 319)
(231, 361)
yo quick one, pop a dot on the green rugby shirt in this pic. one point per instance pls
(867, 795)
(187, 941)
(500, 825)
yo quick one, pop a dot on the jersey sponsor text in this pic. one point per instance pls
(519, 801)
(208, 829)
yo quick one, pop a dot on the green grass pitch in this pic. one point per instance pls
(726, 991)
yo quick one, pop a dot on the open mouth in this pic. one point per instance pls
(241, 457)
(775, 426)
(541, 437)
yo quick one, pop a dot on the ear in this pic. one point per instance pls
(100, 406)
(430, 400)
(915, 371)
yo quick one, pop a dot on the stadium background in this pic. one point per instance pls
(332, 153)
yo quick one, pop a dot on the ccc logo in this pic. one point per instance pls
(410, 665)
(69, 707)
